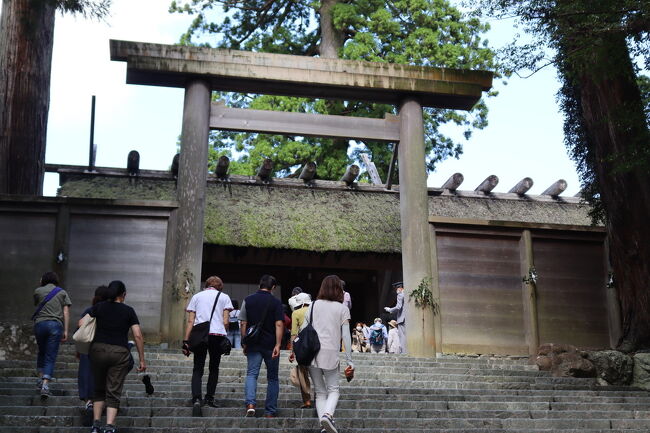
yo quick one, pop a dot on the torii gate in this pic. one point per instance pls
(203, 70)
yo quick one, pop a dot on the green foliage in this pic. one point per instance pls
(414, 32)
(566, 33)
(644, 87)
(87, 8)
(423, 296)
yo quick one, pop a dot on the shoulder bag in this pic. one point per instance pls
(199, 333)
(307, 345)
(85, 335)
(45, 300)
(254, 332)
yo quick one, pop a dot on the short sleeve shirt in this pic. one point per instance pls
(202, 303)
(297, 319)
(114, 319)
(251, 312)
(329, 316)
(53, 309)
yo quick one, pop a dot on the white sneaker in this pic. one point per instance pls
(327, 423)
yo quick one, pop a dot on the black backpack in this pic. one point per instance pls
(306, 345)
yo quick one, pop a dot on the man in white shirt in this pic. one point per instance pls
(200, 309)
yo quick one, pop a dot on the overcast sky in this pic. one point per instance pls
(524, 137)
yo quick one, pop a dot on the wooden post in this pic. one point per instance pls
(529, 293)
(414, 214)
(372, 170)
(435, 290)
(391, 166)
(613, 306)
(192, 178)
(62, 244)
(169, 280)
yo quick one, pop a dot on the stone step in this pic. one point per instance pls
(364, 378)
(281, 422)
(69, 369)
(442, 402)
(341, 413)
(390, 393)
(176, 390)
(263, 429)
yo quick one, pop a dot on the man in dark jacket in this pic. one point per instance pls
(263, 309)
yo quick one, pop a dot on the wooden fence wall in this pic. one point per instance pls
(486, 307)
(87, 242)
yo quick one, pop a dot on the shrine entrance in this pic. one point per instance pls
(203, 70)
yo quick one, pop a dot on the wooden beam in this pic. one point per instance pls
(522, 187)
(556, 189)
(281, 74)
(514, 224)
(372, 170)
(453, 182)
(304, 124)
(391, 166)
(488, 184)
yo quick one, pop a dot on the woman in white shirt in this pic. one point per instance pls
(331, 320)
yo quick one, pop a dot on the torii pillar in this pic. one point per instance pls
(191, 189)
(414, 217)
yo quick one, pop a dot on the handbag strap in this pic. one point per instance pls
(311, 314)
(214, 306)
(47, 299)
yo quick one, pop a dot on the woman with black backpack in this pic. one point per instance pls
(331, 320)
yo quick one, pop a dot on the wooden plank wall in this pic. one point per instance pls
(480, 280)
(118, 247)
(102, 241)
(480, 293)
(27, 252)
(571, 292)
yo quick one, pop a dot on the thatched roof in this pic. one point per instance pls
(327, 217)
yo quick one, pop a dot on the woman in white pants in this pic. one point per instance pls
(331, 320)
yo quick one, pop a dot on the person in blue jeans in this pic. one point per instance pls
(263, 309)
(51, 320)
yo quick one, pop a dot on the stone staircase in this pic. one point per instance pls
(388, 394)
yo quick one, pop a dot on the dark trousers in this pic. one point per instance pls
(214, 342)
(85, 380)
(110, 365)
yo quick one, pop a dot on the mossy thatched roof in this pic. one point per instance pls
(331, 218)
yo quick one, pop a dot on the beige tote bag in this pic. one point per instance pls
(85, 334)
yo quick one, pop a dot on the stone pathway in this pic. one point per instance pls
(388, 394)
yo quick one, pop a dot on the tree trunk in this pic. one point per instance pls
(331, 38)
(614, 123)
(27, 29)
